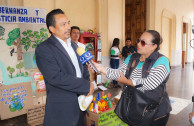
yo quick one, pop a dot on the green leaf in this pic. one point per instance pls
(23, 43)
(34, 46)
(22, 74)
(27, 39)
(2, 30)
(42, 29)
(24, 33)
(38, 41)
(20, 108)
(29, 31)
(46, 36)
(12, 70)
(14, 34)
(38, 36)
(18, 66)
(36, 32)
(29, 43)
(8, 68)
(26, 73)
(23, 39)
(41, 34)
(21, 63)
(12, 109)
(16, 103)
(26, 47)
(9, 42)
(31, 35)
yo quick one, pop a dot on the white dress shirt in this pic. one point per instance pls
(67, 46)
(81, 45)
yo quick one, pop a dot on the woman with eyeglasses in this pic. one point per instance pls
(147, 71)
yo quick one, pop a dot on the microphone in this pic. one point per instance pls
(85, 57)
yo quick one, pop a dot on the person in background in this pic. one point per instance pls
(147, 71)
(75, 33)
(65, 77)
(128, 48)
(115, 56)
(191, 118)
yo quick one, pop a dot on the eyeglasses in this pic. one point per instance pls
(143, 43)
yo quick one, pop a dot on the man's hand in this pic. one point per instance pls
(91, 89)
(129, 53)
(98, 66)
(120, 56)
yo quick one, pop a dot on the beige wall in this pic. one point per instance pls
(46, 4)
(178, 11)
(115, 21)
(80, 12)
(111, 23)
(181, 8)
(11, 2)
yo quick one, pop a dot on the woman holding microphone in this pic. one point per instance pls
(147, 71)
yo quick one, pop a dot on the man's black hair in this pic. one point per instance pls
(50, 19)
(75, 27)
(128, 39)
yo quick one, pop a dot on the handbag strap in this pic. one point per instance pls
(162, 96)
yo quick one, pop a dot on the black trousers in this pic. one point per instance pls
(82, 119)
(161, 122)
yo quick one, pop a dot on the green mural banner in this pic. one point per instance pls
(110, 119)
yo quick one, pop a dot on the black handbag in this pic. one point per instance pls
(135, 108)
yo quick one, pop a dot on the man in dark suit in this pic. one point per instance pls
(65, 77)
(128, 48)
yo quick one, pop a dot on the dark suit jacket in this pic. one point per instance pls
(62, 85)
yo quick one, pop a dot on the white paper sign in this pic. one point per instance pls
(15, 14)
(37, 75)
(98, 80)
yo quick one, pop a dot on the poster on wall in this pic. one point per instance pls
(22, 29)
(15, 99)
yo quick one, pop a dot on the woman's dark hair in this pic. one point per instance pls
(156, 38)
(115, 42)
(50, 19)
(75, 27)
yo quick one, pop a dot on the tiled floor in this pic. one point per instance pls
(181, 85)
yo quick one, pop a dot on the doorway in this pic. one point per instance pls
(135, 19)
(167, 36)
(184, 43)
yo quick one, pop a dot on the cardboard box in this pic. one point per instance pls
(15, 99)
(35, 115)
